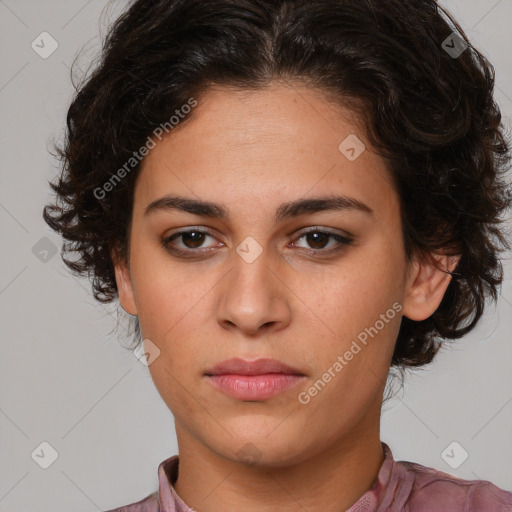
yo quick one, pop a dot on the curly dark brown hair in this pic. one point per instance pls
(423, 92)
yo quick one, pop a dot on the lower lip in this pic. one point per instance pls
(254, 387)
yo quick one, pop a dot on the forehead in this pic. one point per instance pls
(253, 146)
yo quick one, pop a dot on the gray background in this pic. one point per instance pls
(65, 378)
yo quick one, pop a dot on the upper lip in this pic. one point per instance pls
(237, 366)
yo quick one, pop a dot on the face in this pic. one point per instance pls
(256, 275)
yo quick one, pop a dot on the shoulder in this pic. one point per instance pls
(447, 492)
(148, 504)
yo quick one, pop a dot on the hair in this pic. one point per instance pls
(429, 113)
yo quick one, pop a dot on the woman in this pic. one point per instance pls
(291, 198)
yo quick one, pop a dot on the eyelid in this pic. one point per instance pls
(321, 229)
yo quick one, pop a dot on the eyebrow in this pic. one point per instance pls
(285, 211)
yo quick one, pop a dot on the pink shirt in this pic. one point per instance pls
(400, 486)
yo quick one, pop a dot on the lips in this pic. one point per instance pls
(237, 366)
(253, 381)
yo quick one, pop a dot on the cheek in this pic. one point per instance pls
(379, 274)
(172, 308)
(173, 388)
(164, 294)
(357, 294)
(359, 309)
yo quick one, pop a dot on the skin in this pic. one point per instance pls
(251, 152)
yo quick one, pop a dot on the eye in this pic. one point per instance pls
(191, 240)
(318, 240)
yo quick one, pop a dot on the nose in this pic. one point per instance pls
(254, 297)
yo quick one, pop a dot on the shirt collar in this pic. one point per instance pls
(388, 489)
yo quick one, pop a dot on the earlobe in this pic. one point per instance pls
(427, 283)
(124, 285)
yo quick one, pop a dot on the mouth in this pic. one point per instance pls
(253, 380)
(239, 366)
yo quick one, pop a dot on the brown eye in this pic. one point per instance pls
(187, 242)
(193, 239)
(318, 241)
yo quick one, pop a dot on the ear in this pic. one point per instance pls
(427, 282)
(124, 284)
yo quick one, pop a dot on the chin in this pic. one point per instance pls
(255, 454)
(279, 449)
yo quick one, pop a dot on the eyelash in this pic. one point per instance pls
(342, 240)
